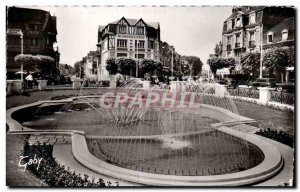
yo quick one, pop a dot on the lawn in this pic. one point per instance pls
(15, 176)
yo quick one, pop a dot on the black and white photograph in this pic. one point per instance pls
(150, 96)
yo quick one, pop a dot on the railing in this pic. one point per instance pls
(244, 92)
(286, 98)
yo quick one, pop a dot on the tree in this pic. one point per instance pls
(250, 63)
(216, 63)
(125, 65)
(218, 49)
(111, 66)
(194, 64)
(37, 62)
(77, 66)
(29, 61)
(277, 59)
(45, 64)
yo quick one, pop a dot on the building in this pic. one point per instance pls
(90, 64)
(127, 38)
(38, 31)
(281, 35)
(169, 58)
(248, 27)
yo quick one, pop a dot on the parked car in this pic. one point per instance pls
(263, 82)
(287, 87)
(229, 82)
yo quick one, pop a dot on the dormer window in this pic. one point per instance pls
(252, 18)
(284, 34)
(270, 37)
(122, 28)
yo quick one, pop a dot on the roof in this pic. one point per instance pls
(132, 22)
(100, 27)
(245, 10)
(288, 23)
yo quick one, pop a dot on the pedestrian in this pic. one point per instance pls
(29, 79)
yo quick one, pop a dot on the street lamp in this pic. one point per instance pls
(261, 44)
(137, 63)
(172, 62)
(56, 51)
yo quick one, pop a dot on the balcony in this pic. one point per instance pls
(251, 43)
(228, 47)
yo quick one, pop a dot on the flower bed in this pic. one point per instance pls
(268, 104)
(277, 136)
(54, 174)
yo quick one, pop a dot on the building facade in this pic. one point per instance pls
(90, 65)
(247, 28)
(170, 59)
(39, 33)
(125, 37)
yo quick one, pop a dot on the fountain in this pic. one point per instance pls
(158, 131)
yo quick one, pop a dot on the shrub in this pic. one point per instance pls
(54, 174)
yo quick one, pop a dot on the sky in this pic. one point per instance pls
(193, 31)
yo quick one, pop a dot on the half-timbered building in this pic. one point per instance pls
(125, 37)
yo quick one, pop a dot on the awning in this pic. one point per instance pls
(224, 71)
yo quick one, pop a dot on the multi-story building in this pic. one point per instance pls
(90, 64)
(32, 30)
(246, 29)
(281, 35)
(127, 38)
(169, 58)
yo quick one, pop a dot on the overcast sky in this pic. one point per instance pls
(192, 30)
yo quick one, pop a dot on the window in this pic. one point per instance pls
(229, 40)
(228, 53)
(34, 42)
(252, 19)
(238, 22)
(121, 54)
(151, 44)
(285, 34)
(122, 28)
(140, 30)
(270, 37)
(229, 25)
(237, 38)
(122, 43)
(140, 44)
(251, 33)
(33, 27)
(139, 56)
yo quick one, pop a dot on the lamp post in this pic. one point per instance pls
(137, 62)
(21, 37)
(261, 44)
(56, 51)
(172, 62)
